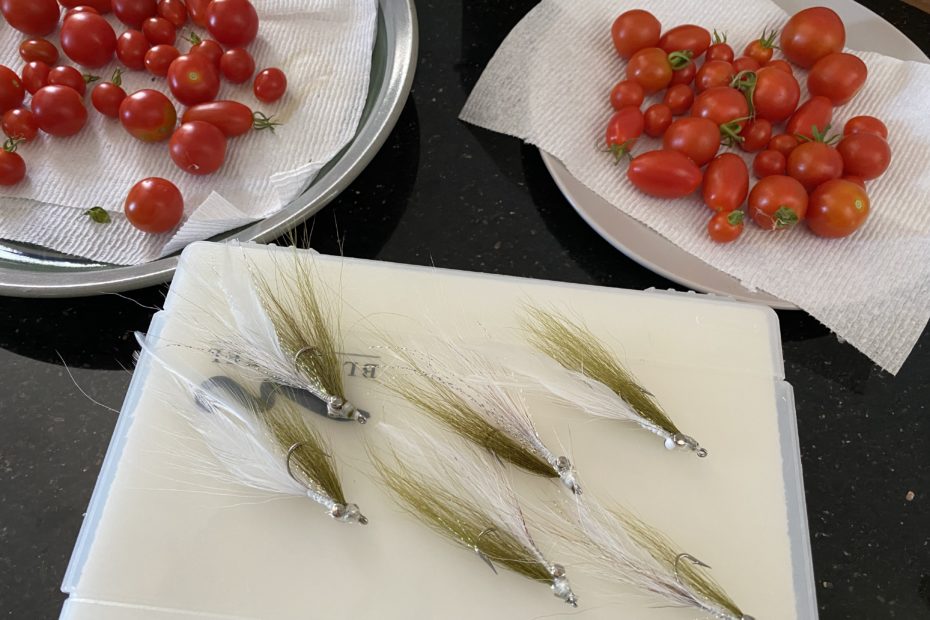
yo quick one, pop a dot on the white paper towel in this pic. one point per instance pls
(324, 47)
(548, 84)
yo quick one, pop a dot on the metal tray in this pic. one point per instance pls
(31, 271)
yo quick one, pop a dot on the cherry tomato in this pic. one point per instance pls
(689, 38)
(651, 69)
(33, 17)
(838, 77)
(745, 63)
(725, 106)
(726, 183)
(12, 166)
(159, 59)
(19, 124)
(134, 12)
(270, 85)
(198, 148)
(234, 23)
(131, 47)
(719, 49)
(813, 163)
(635, 30)
(783, 143)
(776, 94)
(88, 40)
(756, 135)
(725, 227)
(812, 117)
(698, 138)
(159, 31)
(811, 34)
(154, 205)
(174, 11)
(865, 155)
(208, 48)
(777, 202)
(38, 49)
(679, 98)
(230, 117)
(865, 124)
(107, 96)
(70, 77)
(192, 79)
(625, 93)
(148, 115)
(781, 65)
(99, 6)
(237, 66)
(761, 49)
(713, 73)
(657, 119)
(665, 174)
(768, 163)
(853, 179)
(35, 76)
(837, 209)
(197, 10)
(12, 91)
(623, 129)
(59, 110)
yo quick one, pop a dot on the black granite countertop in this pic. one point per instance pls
(444, 193)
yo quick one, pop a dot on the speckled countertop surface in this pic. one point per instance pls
(445, 193)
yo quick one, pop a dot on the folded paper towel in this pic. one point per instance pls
(324, 47)
(548, 85)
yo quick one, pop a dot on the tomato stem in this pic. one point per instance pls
(729, 132)
(261, 121)
(10, 145)
(821, 136)
(735, 218)
(117, 79)
(193, 38)
(745, 82)
(619, 151)
(719, 38)
(680, 59)
(767, 41)
(90, 79)
(785, 217)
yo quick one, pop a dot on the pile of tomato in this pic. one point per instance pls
(804, 172)
(57, 106)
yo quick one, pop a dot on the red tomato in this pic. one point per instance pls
(689, 38)
(776, 94)
(270, 85)
(865, 124)
(33, 17)
(865, 155)
(679, 98)
(134, 12)
(148, 115)
(857, 180)
(197, 11)
(159, 59)
(12, 91)
(38, 49)
(59, 110)
(813, 163)
(19, 124)
(234, 23)
(777, 202)
(726, 107)
(35, 76)
(131, 47)
(192, 79)
(745, 63)
(154, 205)
(230, 117)
(237, 66)
(159, 31)
(623, 129)
(713, 73)
(811, 34)
(12, 166)
(198, 148)
(837, 209)
(208, 48)
(635, 30)
(625, 93)
(781, 65)
(761, 49)
(685, 75)
(698, 138)
(657, 119)
(719, 49)
(99, 6)
(665, 174)
(725, 227)
(783, 143)
(769, 163)
(174, 11)
(755, 135)
(88, 39)
(70, 77)
(108, 96)
(726, 183)
(838, 77)
(651, 69)
(812, 117)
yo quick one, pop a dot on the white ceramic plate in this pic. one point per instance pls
(864, 31)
